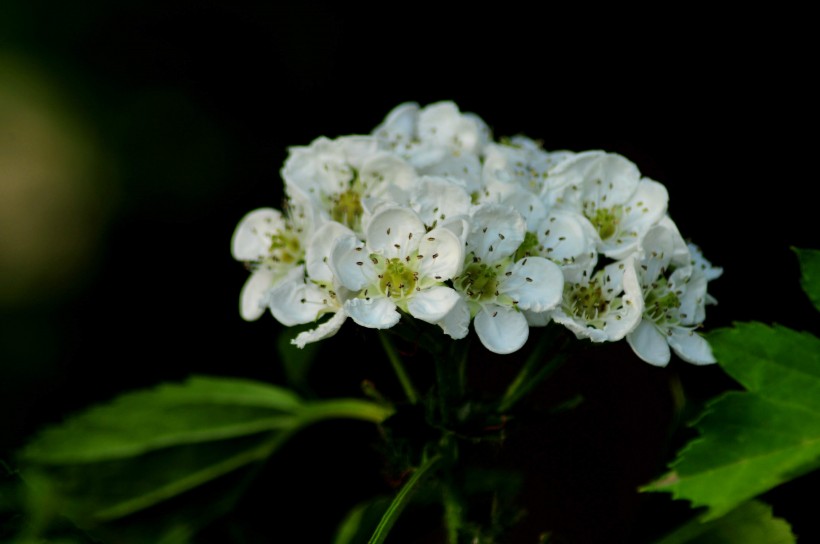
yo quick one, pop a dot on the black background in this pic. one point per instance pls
(195, 104)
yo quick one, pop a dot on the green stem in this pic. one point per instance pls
(401, 500)
(346, 408)
(534, 371)
(450, 370)
(452, 515)
(395, 360)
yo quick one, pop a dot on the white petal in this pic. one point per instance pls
(433, 304)
(345, 258)
(251, 239)
(325, 329)
(318, 252)
(502, 330)
(442, 255)
(649, 344)
(538, 319)
(252, 298)
(691, 347)
(456, 324)
(569, 240)
(536, 283)
(465, 167)
(497, 231)
(394, 227)
(382, 171)
(292, 301)
(437, 199)
(376, 313)
(399, 124)
(632, 310)
(646, 207)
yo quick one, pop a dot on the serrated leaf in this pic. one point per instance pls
(750, 523)
(775, 362)
(810, 273)
(753, 441)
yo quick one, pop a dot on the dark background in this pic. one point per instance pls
(158, 126)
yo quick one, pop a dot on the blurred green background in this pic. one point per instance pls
(135, 135)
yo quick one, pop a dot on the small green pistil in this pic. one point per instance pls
(587, 301)
(605, 220)
(347, 208)
(528, 247)
(285, 248)
(397, 279)
(479, 282)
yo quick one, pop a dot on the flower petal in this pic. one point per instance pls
(252, 301)
(318, 252)
(501, 329)
(433, 304)
(536, 283)
(252, 238)
(456, 324)
(325, 329)
(351, 264)
(691, 347)
(649, 344)
(391, 232)
(374, 313)
(442, 255)
(497, 231)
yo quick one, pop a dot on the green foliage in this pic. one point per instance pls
(109, 465)
(754, 440)
(810, 271)
(749, 523)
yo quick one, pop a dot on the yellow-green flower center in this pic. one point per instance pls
(479, 282)
(605, 220)
(586, 301)
(660, 301)
(397, 279)
(346, 208)
(285, 248)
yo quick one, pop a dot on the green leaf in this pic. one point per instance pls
(200, 410)
(155, 446)
(755, 440)
(810, 270)
(750, 523)
(359, 523)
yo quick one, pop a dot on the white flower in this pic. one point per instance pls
(675, 296)
(496, 288)
(343, 178)
(312, 291)
(604, 307)
(271, 246)
(523, 162)
(401, 266)
(433, 135)
(609, 191)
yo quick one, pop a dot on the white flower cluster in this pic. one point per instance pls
(429, 217)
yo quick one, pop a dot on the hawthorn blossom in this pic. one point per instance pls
(609, 191)
(604, 306)
(437, 139)
(312, 291)
(401, 267)
(496, 287)
(271, 244)
(674, 286)
(343, 179)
